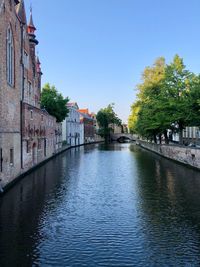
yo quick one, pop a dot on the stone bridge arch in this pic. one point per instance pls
(123, 136)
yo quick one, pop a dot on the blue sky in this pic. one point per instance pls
(94, 51)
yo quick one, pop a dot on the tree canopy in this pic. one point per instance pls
(105, 118)
(54, 103)
(168, 98)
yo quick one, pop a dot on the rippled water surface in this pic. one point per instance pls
(103, 206)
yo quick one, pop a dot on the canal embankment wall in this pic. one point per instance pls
(186, 155)
(25, 172)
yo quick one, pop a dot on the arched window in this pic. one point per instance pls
(10, 57)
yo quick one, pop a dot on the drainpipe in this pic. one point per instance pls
(22, 94)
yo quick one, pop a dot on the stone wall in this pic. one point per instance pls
(186, 155)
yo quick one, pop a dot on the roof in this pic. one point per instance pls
(85, 110)
(86, 116)
(72, 105)
(31, 24)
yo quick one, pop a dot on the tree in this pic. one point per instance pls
(176, 91)
(194, 101)
(54, 103)
(168, 98)
(132, 120)
(106, 117)
(149, 108)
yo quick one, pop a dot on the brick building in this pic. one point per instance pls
(41, 136)
(28, 134)
(10, 92)
(89, 125)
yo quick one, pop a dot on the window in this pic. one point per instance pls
(31, 114)
(29, 91)
(45, 147)
(29, 87)
(26, 60)
(27, 146)
(10, 57)
(36, 99)
(12, 156)
(1, 160)
(39, 144)
(42, 117)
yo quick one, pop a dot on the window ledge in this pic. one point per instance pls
(10, 85)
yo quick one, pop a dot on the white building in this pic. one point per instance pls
(190, 135)
(72, 127)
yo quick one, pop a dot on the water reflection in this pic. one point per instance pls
(22, 209)
(114, 205)
(169, 205)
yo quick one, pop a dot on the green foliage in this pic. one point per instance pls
(54, 103)
(168, 98)
(105, 118)
(132, 120)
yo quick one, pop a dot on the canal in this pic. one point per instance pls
(98, 205)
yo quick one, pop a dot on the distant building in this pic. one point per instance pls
(89, 125)
(190, 135)
(72, 126)
(116, 129)
(124, 128)
(97, 137)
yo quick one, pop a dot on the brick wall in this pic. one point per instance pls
(41, 135)
(9, 96)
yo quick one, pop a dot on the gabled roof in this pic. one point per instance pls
(84, 110)
(72, 105)
(21, 13)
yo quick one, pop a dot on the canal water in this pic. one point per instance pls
(100, 205)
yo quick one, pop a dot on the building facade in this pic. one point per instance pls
(191, 136)
(116, 129)
(41, 135)
(72, 126)
(97, 137)
(28, 134)
(10, 92)
(88, 125)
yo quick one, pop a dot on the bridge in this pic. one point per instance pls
(122, 137)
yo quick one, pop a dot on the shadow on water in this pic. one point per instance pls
(22, 208)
